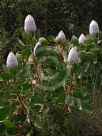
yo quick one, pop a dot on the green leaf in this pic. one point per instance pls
(21, 43)
(26, 53)
(4, 111)
(5, 76)
(29, 73)
(4, 96)
(45, 112)
(37, 100)
(51, 38)
(95, 50)
(74, 40)
(2, 127)
(44, 51)
(37, 121)
(83, 91)
(33, 41)
(61, 97)
(8, 124)
(78, 100)
(69, 100)
(58, 112)
(37, 34)
(87, 107)
(42, 39)
(89, 39)
(88, 56)
(19, 56)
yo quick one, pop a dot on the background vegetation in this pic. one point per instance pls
(51, 16)
(71, 16)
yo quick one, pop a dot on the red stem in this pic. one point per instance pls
(20, 131)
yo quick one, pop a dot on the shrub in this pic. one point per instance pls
(38, 96)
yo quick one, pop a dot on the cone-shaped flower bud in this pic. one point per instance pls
(61, 37)
(12, 61)
(73, 55)
(82, 38)
(29, 24)
(93, 28)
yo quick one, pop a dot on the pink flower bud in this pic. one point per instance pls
(82, 38)
(93, 28)
(61, 37)
(73, 55)
(12, 61)
(29, 24)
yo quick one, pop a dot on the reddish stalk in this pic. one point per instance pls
(20, 101)
(69, 88)
(20, 131)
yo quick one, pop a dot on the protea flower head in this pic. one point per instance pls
(61, 36)
(73, 55)
(93, 27)
(29, 24)
(82, 38)
(12, 61)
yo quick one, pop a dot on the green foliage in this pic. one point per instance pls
(51, 16)
(48, 96)
(38, 97)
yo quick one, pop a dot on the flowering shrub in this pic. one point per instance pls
(48, 79)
